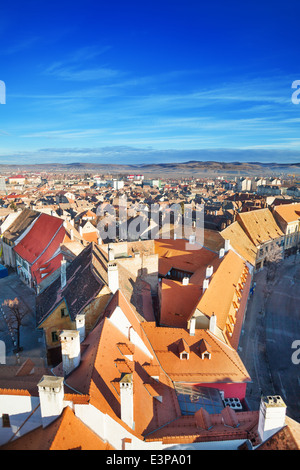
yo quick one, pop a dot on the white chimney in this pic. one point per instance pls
(272, 414)
(80, 230)
(209, 271)
(227, 245)
(70, 350)
(221, 253)
(213, 324)
(72, 234)
(111, 254)
(126, 398)
(63, 273)
(185, 281)
(205, 284)
(192, 326)
(80, 325)
(113, 277)
(51, 393)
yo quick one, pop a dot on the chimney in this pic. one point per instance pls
(80, 325)
(51, 393)
(272, 414)
(192, 327)
(113, 277)
(213, 324)
(111, 255)
(80, 230)
(227, 245)
(205, 285)
(185, 281)
(70, 350)
(126, 399)
(72, 234)
(192, 239)
(209, 271)
(221, 253)
(63, 273)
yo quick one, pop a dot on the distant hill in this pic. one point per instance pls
(189, 168)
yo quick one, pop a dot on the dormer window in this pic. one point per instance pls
(183, 350)
(205, 349)
(184, 356)
(206, 355)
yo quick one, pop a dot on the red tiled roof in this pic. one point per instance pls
(224, 366)
(177, 302)
(103, 364)
(39, 238)
(65, 433)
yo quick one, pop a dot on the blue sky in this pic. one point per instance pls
(145, 81)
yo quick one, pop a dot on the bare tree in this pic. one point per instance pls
(15, 319)
(272, 259)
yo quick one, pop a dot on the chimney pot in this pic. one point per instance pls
(70, 350)
(205, 284)
(51, 394)
(126, 399)
(63, 273)
(209, 271)
(113, 277)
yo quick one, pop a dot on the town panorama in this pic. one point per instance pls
(130, 322)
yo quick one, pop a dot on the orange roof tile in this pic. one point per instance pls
(260, 225)
(177, 254)
(288, 212)
(102, 365)
(66, 433)
(222, 290)
(177, 302)
(224, 365)
(201, 428)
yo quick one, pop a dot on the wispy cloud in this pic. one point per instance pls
(19, 46)
(73, 67)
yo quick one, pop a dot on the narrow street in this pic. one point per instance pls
(30, 339)
(267, 337)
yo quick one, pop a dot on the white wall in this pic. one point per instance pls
(19, 409)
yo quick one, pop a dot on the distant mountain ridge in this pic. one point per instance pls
(184, 168)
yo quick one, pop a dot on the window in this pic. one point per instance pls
(54, 336)
(5, 421)
(184, 356)
(206, 355)
(63, 312)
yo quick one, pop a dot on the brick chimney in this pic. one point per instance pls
(51, 393)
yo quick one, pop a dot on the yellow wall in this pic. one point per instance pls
(92, 312)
